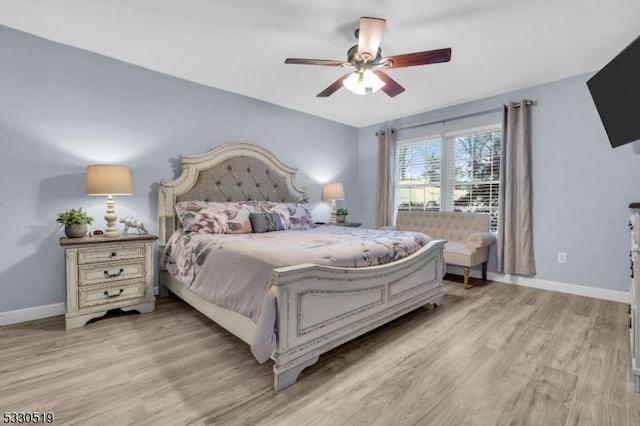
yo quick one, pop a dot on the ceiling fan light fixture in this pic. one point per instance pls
(366, 57)
(354, 84)
(363, 82)
(372, 81)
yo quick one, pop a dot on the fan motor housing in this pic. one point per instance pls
(355, 59)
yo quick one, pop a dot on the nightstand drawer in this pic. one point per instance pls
(109, 272)
(110, 253)
(105, 294)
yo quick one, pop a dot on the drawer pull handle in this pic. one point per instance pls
(114, 254)
(630, 225)
(117, 274)
(111, 296)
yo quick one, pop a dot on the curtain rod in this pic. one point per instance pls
(459, 117)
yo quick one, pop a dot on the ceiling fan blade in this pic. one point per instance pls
(333, 87)
(418, 58)
(325, 62)
(391, 87)
(370, 35)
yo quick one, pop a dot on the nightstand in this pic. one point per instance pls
(348, 224)
(106, 273)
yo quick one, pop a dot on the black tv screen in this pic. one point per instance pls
(615, 90)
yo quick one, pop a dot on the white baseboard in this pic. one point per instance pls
(37, 312)
(29, 314)
(580, 290)
(45, 311)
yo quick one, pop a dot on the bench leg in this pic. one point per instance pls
(484, 271)
(466, 277)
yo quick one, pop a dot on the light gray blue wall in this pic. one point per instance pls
(62, 108)
(582, 187)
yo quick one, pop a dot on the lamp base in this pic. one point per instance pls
(110, 217)
(111, 233)
(334, 218)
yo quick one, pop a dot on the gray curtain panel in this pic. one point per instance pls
(386, 177)
(514, 251)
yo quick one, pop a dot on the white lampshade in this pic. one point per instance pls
(108, 179)
(372, 81)
(353, 84)
(362, 82)
(332, 191)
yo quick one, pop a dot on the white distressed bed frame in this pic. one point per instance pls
(318, 307)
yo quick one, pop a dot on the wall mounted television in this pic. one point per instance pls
(615, 90)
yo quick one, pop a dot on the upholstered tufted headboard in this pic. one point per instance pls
(236, 171)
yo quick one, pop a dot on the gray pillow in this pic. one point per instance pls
(266, 222)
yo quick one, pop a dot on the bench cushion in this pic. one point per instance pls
(461, 254)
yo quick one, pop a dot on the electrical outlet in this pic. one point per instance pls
(562, 257)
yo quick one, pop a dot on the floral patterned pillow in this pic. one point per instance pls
(295, 216)
(215, 218)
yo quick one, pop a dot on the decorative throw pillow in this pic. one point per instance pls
(214, 217)
(238, 214)
(266, 222)
(200, 217)
(295, 216)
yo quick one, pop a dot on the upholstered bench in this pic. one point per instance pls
(467, 234)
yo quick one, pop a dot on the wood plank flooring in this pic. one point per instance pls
(494, 354)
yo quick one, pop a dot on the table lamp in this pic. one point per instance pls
(332, 192)
(109, 180)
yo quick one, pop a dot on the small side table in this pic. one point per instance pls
(106, 273)
(348, 224)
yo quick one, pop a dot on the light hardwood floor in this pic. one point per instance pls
(495, 354)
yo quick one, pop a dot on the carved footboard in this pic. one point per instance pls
(319, 307)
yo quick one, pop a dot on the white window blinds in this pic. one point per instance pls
(476, 172)
(451, 172)
(419, 175)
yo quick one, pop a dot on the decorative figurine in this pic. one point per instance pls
(130, 222)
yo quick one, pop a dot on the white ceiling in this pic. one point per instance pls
(240, 45)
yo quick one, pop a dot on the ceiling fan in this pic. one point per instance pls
(366, 58)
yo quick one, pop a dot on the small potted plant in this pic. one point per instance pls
(75, 222)
(341, 215)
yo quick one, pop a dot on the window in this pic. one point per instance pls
(419, 175)
(454, 171)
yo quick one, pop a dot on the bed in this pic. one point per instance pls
(308, 308)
